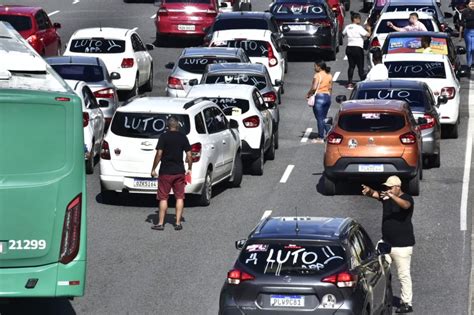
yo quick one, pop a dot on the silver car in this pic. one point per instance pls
(192, 64)
(93, 71)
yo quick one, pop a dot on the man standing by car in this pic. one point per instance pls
(379, 71)
(169, 151)
(397, 230)
(414, 25)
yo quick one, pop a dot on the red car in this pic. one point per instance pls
(35, 26)
(185, 17)
(339, 11)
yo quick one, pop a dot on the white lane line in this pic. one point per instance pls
(468, 159)
(266, 214)
(53, 13)
(76, 1)
(345, 57)
(135, 29)
(287, 173)
(153, 16)
(306, 135)
(336, 76)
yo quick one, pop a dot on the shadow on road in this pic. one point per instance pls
(177, 42)
(36, 306)
(348, 188)
(307, 56)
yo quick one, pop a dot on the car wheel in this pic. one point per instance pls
(256, 167)
(135, 91)
(329, 186)
(388, 310)
(279, 97)
(435, 160)
(90, 165)
(246, 6)
(237, 171)
(414, 185)
(454, 130)
(276, 136)
(148, 87)
(286, 66)
(270, 154)
(206, 193)
(282, 91)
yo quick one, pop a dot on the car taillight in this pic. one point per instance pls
(235, 276)
(70, 239)
(270, 97)
(105, 151)
(342, 280)
(375, 43)
(408, 138)
(449, 92)
(196, 152)
(334, 138)
(105, 93)
(127, 63)
(272, 61)
(430, 122)
(321, 23)
(251, 122)
(175, 83)
(85, 119)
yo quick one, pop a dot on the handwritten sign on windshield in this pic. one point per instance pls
(416, 69)
(298, 9)
(98, 45)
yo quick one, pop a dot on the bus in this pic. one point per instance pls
(42, 177)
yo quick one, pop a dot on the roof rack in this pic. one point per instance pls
(190, 104)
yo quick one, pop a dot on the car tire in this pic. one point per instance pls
(279, 97)
(414, 185)
(107, 196)
(329, 186)
(135, 91)
(206, 192)
(286, 66)
(388, 309)
(270, 154)
(276, 136)
(434, 161)
(237, 172)
(148, 87)
(282, 91)
(256, 167)
(246, 6)
(90, 166)
(454, 131)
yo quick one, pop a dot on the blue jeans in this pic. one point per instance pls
(469, 39)
(322, 102)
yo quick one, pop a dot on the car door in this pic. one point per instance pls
(267, 116)
(140, 57)
(51, 36)
(95, 115)
(215, 147)
(227, 141)
(42, 33)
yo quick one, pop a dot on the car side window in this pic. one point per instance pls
(199, 122)
(363, 251)
(356, 251)
(369, 246)
(136, 43)
(47, 21)
(274, 25)
(221, 120)
(141, 46)
(39, 17)
(210, 120)
(430, 98)
(258, 100)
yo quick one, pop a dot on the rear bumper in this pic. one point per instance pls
(175, 93)
(430, 143)
(310, 42)
(248, 153)
(169, 27)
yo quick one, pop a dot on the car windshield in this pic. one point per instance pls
(298, 10)
(253, 48)
(416, 69)
(199, 64)
(403, 45)
(240, 23)
(256, 80)
(414, 98)
(86, 73)
(20, 23)
(291, 258)
(97, 46)
(431, 10)
(145, 125)
(384, 29)
(371, 122)
(232, 106)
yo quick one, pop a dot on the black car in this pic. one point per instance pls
(308, 25)
(308, 265)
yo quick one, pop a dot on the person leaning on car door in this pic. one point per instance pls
(467, 30)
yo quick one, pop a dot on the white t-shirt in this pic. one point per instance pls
(355, 35)
(378, 72)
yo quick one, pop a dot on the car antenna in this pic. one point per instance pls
(297, 227)
(100, 29)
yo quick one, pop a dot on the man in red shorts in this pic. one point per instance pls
(169, 151)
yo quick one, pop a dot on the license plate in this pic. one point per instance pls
(186, 27)
(287, 301)
(297, 27)
(371, 168)
(145, 183)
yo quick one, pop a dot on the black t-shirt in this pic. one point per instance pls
(173, 144)
(397, 229)
(467, 18)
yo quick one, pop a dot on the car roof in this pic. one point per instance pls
(244, 15)
(158, 104)
(410, 2)
(418, 34)
(206, 51)
(236, 66)
(221, 90)
(415, 57)
(110, 32)
(391, 83)
(82, 60)
(404, 14)
(241, 33)
(373, 104)
(19, 9)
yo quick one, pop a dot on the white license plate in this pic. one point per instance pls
(287, 301)
(371, 168)
(145, 183)
(186, 27)
(297, 27)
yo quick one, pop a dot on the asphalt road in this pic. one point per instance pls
(135, 270)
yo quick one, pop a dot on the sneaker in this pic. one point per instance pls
(404, 308)
(350, 86)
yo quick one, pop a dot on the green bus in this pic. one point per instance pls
(42, 177)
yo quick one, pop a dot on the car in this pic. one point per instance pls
(234, 5)
(122, 51)
(339, 12)
(92, 120)
(245, 104)
(308, 265)
(261, 47)
(128, 149)
(371, 140)
(34, 25)
(192, 64)
(436, 71)
(423, 106)
(247, 74)
(308, 25)
(375, 12)
(93, 71)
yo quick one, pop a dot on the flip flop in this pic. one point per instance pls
(158, 227)
(178, 227)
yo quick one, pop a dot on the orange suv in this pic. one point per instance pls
(371, 140)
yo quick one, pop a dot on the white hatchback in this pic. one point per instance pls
(128, 149)
(122, 50)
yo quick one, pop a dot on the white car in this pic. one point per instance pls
(260, 46)
(122, 51)
(246, 105)
(128, 149)
(93, 121)
(437, 71)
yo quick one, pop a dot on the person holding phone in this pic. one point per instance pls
(397, 230)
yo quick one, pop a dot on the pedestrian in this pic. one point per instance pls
(379, 71)
(426, 45)
(356, 34)
(320, 90)
(467, 27)
(172, 175)
(414, 25)
(397, 230)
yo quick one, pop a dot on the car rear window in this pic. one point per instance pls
(291, 258)
(413, 8)
(237, 24)
(384, 29)
(232, 106)
(253, 48)
(87, 73)
(298, 10)
(20, 23)
(258, 81)
(403, 45)
(416, 69)
(415, 98)
(198, 64)
(98, 46)
(145, 125)
(371, 122)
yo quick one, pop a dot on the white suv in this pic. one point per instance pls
(246, 105)
(128, 149)
(122, 51)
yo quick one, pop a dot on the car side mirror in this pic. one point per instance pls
(57, 25)
(460, 50)
(442, 99)
(278, 82)
(341, 98)
(240, 244)
(448, 15)
(422, 121)
(169, 65)
(149, 46)
(383, 248)
(193, 82)
(285, 29)
(115, 76)
(233, 124)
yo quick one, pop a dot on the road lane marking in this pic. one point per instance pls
(153, 16)
(345, 57)
(266, 214)
(336, 76)
(287, 173)
(468, 159)
(53, 13)
(76, 1)
(306, 135)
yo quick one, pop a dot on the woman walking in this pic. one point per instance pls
(319, 97)
(467, 27)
